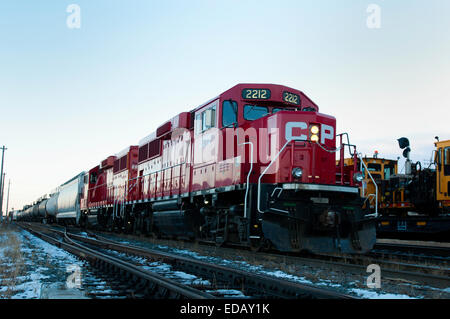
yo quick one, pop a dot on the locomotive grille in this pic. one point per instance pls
(143, 152)
(154, 148)
(116, 166)
(123, 162)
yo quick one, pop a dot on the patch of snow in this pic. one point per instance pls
(369, 294)
(228, 293)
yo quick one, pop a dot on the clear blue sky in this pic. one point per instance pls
(71, 97)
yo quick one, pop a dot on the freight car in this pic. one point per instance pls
(51, 208)
(254, 166)
(33, 212)
(68, 201)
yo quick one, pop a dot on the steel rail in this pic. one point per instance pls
(390, 270)
(422, 249)
(176, 290)
(257, 283)
(352, 263)
(358, 265)
(396, 270)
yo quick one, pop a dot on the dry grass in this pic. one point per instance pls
(11, 262)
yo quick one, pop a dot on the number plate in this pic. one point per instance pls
(320, 200)
(291, 98)
(256, 94)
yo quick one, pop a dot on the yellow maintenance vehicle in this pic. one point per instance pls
(416, 201)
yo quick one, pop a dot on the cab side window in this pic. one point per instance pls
(198, 123)
(205, 120)
(437, 158)
(229, 113)
(388, 171)
(208, 118)
(447, 161)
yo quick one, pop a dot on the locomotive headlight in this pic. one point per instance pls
(297, 172)
(314, 129)
(314, 138)
(358, 177)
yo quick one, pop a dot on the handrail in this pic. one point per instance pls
(121, 199)
(368, 198)
(248, 175)
(348, 141)
(340, 148)
(264, 172)
(375, 184)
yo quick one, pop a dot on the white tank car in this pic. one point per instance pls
(35, 212)
(51, 206)
(68, 202)
(42, 211)
(28, 213)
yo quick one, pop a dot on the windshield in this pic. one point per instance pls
(254, 112)
(374, 167)
(277, 109)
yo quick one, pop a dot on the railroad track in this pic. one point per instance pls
(431, 275)
(437, 275)
(144, 283)
(253, 285)
(424, 250)
(384, 249)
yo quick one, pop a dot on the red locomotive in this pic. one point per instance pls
(254, 166)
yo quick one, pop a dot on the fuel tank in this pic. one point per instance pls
(176, 223)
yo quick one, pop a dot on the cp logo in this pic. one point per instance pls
(326, 132)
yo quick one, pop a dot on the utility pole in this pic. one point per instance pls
(1, 183)
(2, 191)
(7, 198)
